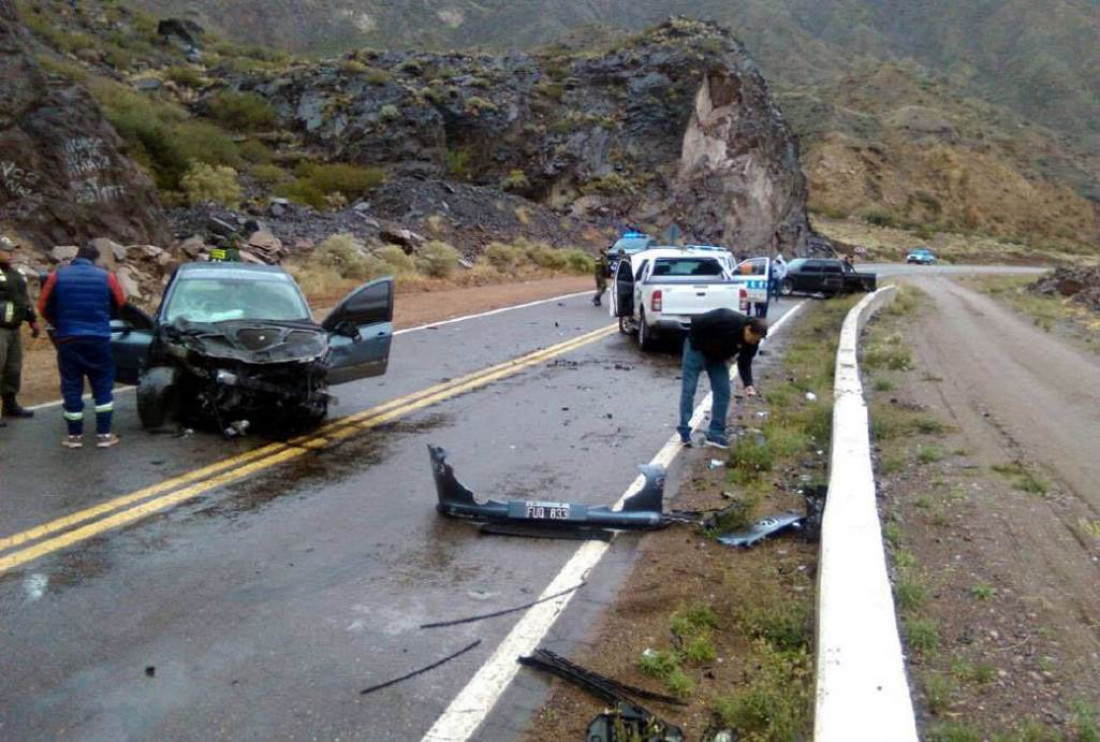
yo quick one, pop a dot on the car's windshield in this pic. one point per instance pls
(687, 267)
(796, 265)
(246, 297)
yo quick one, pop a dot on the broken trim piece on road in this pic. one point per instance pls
(763, 528)
(641, 511)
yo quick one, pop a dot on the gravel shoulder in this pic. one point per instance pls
(987, 463)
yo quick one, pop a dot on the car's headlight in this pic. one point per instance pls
(225, 377)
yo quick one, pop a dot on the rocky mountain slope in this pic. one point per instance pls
(63, 174)
(675, 127)
(672, 127)
(1032, 68)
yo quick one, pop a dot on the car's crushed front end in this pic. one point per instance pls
(249, 369)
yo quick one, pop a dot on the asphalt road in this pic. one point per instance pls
(256, 603)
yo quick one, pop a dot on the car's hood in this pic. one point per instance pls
(251, 341)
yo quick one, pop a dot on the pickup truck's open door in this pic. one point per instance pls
(623, 290)
(360, 333)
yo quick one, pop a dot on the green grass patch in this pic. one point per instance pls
(1023, 478)
(939, 692)
(922, 635)
(909, 593)
(929, 454)
(953, 731)
(777, 703)
(982, 591)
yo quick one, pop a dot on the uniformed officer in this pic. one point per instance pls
(15, 309)
(601, 272)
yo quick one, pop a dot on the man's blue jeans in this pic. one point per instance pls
(694, 363)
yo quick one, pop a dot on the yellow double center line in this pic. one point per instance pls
(144, 502)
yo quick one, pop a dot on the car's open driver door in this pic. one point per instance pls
(360, 332)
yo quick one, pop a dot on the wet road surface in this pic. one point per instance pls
(260, 609)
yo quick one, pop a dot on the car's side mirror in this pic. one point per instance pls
(347, 329)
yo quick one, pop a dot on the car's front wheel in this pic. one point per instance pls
(158, 397)
(787, 287)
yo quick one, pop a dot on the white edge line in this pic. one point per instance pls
(469, 709)
(418, 328)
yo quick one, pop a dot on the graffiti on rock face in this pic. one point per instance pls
(18, 182)
(89, 167)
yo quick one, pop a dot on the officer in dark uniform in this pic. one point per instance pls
(601, 272)
(15, 309)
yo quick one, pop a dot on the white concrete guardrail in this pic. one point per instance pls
(862, 690)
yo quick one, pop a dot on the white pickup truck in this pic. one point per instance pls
(657, 291)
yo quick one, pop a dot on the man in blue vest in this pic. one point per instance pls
(79, 300)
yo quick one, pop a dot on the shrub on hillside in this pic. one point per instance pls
(580, 262)
(516, 180)
(242, 111)
(204, 183)
(162, 137)
(437, 259)
(185, 75)
(394, 257)
(545, 256)
(351, 180)
(503, 257)
(343, 254)
(879, 218)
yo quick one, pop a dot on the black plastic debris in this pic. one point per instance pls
(762, 529)
(641, 511)
(626, 720)
(815, 512)
(503, 611)
(421, 671)
(626, 723)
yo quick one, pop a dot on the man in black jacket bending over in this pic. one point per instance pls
(714, 339)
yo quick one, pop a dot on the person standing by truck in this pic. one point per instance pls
(15, 309)
(779, 272)
(600, 272)
(78, 301)
(712, 342)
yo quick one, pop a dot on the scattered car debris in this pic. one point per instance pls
(715, 464)
(626, 721)
(606, 689)
(151, 671)
(762, 529)
(421, 671)
(641, 511)
(502, 612)
(811, 396)
(815, 511)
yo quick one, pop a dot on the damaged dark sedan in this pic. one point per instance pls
(233, 342)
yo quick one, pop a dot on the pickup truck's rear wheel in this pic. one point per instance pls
(158, 397)
(646, 338)
(787, 287)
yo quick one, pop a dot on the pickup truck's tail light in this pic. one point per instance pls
(743, 300)
(655, 301)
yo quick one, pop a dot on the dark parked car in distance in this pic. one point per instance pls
(825, 276)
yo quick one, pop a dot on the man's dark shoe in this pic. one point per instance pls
(12, 409)
(718, 441)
